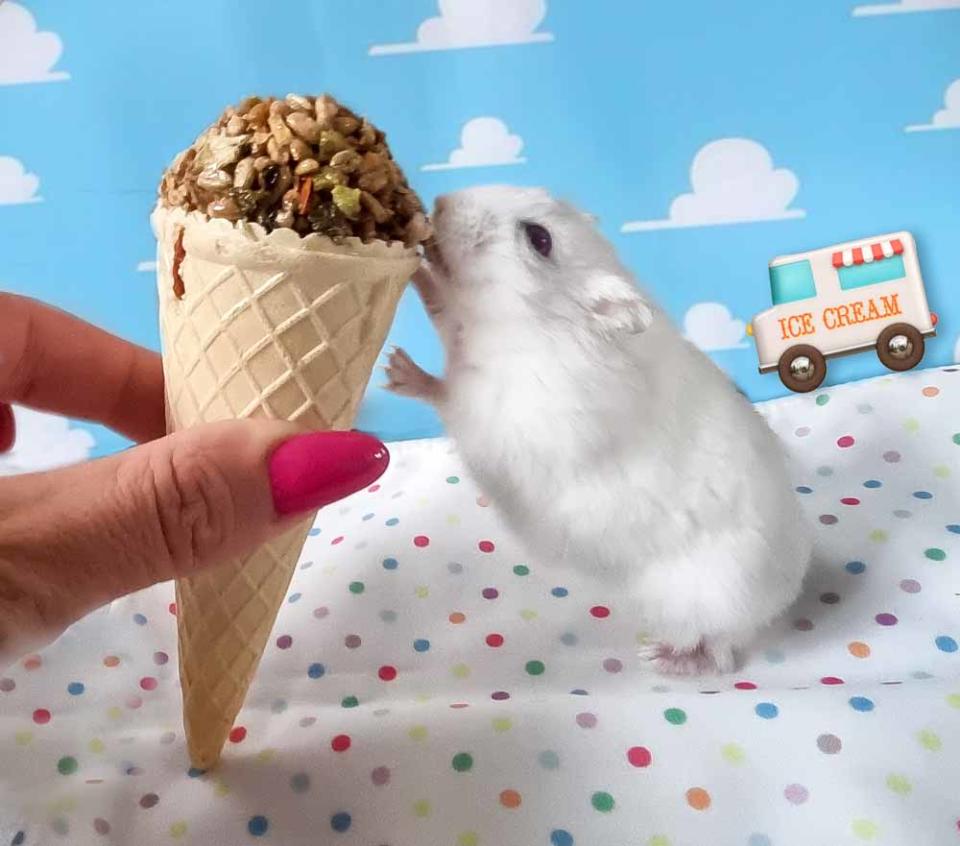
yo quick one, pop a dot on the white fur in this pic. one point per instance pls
(607, 441)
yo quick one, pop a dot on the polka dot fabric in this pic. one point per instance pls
(430, 682)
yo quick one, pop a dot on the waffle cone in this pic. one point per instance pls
(268, 325)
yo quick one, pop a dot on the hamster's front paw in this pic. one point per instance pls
(407, 379)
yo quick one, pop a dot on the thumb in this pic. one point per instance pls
(76, 538)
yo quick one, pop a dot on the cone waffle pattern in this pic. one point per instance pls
(286, 333)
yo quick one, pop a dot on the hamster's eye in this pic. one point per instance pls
(539, 238)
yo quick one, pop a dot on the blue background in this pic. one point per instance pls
(612, 112)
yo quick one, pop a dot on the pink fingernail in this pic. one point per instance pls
(312, 470)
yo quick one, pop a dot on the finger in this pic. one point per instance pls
(8, 428)
(54, 362)
(76, 538)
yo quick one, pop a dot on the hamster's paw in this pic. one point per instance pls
(406, 378)
(707, 657)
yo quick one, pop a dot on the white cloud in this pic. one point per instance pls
(484, 142)
(905, 6)
(16, 185)
(733, 181)
(26, 54)
(949, 116)
(476, 23)
(44, 441)
(712, 327)
(146, 266)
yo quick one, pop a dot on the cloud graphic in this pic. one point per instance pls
(949, 116)
(476, 23)
(44, 441)
(16, 185)
(26, 55)
(484, 142)
(733, 181)
(712, 327)
(146, 266)
(905, 6)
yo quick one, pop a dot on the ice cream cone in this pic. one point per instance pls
(259, 325)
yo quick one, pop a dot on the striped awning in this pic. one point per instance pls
(867, 253)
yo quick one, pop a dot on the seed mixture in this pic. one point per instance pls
(303, 163)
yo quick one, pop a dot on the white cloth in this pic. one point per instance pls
(843, 727)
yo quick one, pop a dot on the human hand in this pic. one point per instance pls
(76, 538)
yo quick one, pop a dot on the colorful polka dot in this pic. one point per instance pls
(258, 825)
(766, 710)
(76, 688)
(601, 612)
(639, 756)
(340, 743)
(510, 798)
(602, 801)
(548, 759)
(535, 668)
(521, 570)
(829, 744)
(886, 619)
(865, 829)
(929, 740)
(910, 586)
(861, 703)
(486, 546)
(340, 822)
(149, 800)
(733, 753)
(675, 716)
(561, 837)
(855, 567)
(494, 640)
(67, 765)
(935, 553)
(796, 794)
(945, 643)
(462, 762)
(586, 720)
(859, 649)
(316, 671)
(41, 716)
(698, 798)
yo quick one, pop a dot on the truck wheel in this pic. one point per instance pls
(802, 368)
(900, 347)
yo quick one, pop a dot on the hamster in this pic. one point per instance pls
(607, 441)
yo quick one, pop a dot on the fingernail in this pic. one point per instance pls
(312, 470)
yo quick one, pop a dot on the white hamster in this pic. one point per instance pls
(607, 441)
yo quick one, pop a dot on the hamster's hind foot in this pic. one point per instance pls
(707, 657)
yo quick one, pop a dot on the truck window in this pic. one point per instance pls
(884, 270)
(792, 282)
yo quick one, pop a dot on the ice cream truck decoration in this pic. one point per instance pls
(860, 295)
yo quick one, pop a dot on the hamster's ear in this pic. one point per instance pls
(617, 306)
